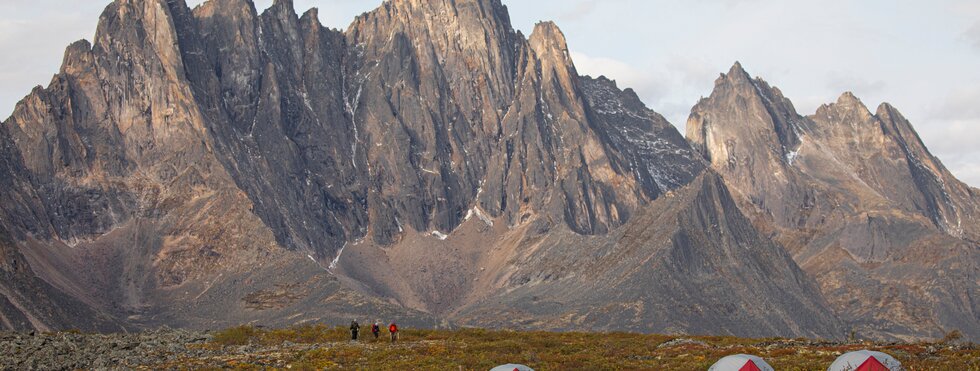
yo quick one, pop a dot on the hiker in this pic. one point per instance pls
(376, 329)
(393, 329)
(354, 328)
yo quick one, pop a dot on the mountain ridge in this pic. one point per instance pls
(212, 166)
(858, 200)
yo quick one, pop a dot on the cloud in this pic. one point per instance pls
(694, 72)
(736, 3)
(580, 10)
(959, 104)
(969, 11)
(646, 84)
(840, 82)
(9, 29)
(964, 167)
(972, 36)
(951, 130)
(952, 137)
(670, 86)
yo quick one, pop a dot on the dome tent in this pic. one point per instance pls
(512, 367)
(866, 360)
(741, 362)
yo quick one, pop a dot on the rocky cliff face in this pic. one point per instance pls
(185, 148)
(217, 165)
(857, 198)
(691, 262)
(416, 114)
(28, 303)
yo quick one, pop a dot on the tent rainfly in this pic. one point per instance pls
(866, 360)
(741, 362)
(512, 367)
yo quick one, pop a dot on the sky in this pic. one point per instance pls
(920, 56)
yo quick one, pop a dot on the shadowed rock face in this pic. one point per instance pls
(691, 262)
(856, 197)
(29, 303)
(398, 125)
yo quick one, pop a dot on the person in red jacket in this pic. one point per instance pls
(393, 330)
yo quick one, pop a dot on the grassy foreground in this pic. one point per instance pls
(320, 347)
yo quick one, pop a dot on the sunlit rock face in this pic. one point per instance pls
(856, 197)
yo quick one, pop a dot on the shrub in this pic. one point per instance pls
(241, 335)
(952, 337)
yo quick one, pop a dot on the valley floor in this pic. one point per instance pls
(320, 347)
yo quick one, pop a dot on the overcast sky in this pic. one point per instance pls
(921, 56)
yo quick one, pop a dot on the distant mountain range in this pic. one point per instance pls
(214, 166)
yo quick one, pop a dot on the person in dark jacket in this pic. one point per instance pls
(376, 329)
(354, 329)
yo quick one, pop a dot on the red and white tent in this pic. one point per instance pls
(741, 362)
(512, 367)
(866, 360)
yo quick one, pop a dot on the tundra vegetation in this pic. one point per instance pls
(478, 349)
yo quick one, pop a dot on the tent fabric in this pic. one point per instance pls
(741, 362)
(750, 366)
(872, 364)
(512, 367)
(866, 360)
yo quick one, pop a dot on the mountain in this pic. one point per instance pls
(212, 166)
(885, 229)
(689, 263)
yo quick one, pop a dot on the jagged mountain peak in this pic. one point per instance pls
(549, 44)
(849, 100)
(281, 9)
(549, 30)
(737, 74)
(426, 139)
(475, 28)
(847, 108)
(740, 82)
(896, 125)
(492, 11)
(743, 113)
(226, 6)
(604, 79)
(76, 56)
(887, 111)
(547, 38)
(848, 178)
(312, 16)
(436, 4)
(848, 97)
